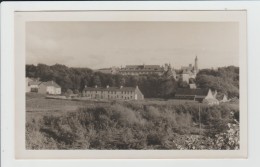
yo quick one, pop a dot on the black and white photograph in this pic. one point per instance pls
(132, 85)
(111, 81)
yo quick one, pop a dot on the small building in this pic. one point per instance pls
(188, 72)
(210, 99)
(201, 95)
(113, 93)
(224, 99)
(27, 84)
(49, 87)
(32, 84)
(193, 86)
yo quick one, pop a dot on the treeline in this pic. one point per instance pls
(225, 80)
(75, 79)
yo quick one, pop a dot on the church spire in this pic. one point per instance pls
(196, 68)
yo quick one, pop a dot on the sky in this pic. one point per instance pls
(105, 44)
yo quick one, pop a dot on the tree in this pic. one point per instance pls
(182, 84)
(96, 81)
(30, 71)
(76, 91)
(69, 92)
(225, 80)
(120, 80)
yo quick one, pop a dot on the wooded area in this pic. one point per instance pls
(225, 80)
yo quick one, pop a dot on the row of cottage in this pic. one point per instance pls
(52, 88)
(123, 93)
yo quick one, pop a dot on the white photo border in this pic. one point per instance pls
(8, 82)
(21, 18)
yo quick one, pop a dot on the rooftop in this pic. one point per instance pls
(50, 83)
(110, 88)
(192, 92)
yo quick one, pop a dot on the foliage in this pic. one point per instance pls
(135, 125)
(225, 80)
(78, 78)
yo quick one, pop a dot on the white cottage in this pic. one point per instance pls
(49, 87)
(225, 99)
(32, 84)
(210, 99)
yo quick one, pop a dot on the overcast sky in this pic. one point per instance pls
(105, 44)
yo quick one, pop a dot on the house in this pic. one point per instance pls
(188, 72)
(49, 87)
(27, 85)
(224, 99)
(32, 84)
(210, 99)
(113, 93)
(193, 86)
(201, 95)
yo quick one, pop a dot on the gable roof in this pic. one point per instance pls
(50, 83)
(192, 92)
(34, 82)
(110, 89)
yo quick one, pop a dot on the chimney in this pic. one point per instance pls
(86, 86)
(121, 87)
(107, 86)
(51, 82)
(95, 86)
(136, 87)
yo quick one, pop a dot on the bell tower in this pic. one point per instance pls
(196, 68)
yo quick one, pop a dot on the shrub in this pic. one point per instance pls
(129, 125)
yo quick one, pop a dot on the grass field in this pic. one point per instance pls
(147, 124)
